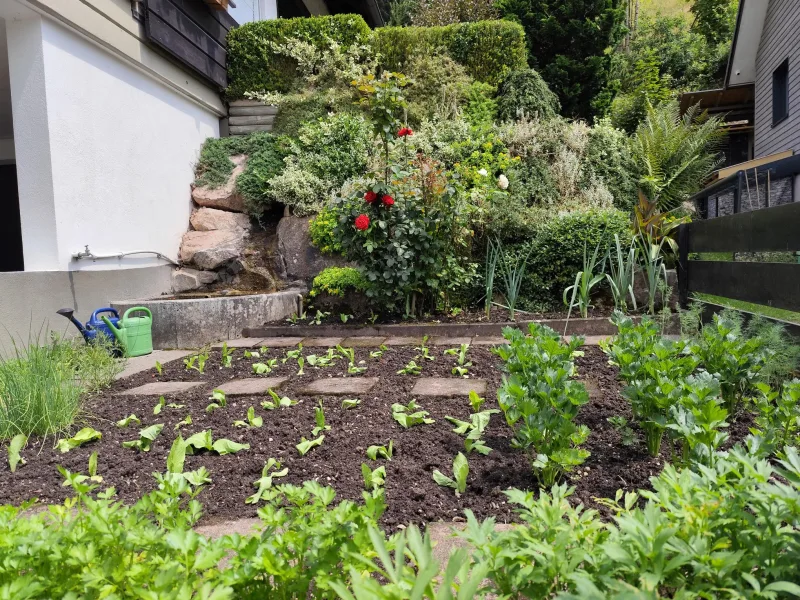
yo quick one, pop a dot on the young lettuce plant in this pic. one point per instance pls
(175, 465)
(129, 420)
(219, 400)
(277, 401)
(227, 356)
(15, 447)
(186, 421)
(293, 354)
(374, 480)
(160, 406)
(146, 438)
(319, 419)
(424, 351)
(412, 368)
(272, 470)
(349, 354)
(265, 368)
(461, 367)
(252, 420)
(410, 415)
(84, 436)
(473, 430)
(379, 352)
(203, 441)
(306, 445)
(349, 403)
(376, 452)
(460, 473)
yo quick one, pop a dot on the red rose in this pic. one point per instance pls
(362, 222)
(387, 200)
(405, 131)
(370, 197)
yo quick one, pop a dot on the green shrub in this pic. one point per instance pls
(335, 148)
(41, 385)
(321, 229)
(215, 166)
(298, 189)
(487, 49)
(254, 66)
(525, 92)
(556, 252)
(481, 107)
(608, 158)
(294, 110)
(441, 86)
(335, 281)
(263, 164)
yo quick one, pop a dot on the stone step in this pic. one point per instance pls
(245, 129)
(244, 111)
(251, 120)
(245, 102)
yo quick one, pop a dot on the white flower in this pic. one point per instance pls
(502, 182)
(483, 172)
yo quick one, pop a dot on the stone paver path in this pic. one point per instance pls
(254, 386)
(363, 342)
(434, 386)
(403, 341)
(488, 340)
(441, 340)
(324, 342)
(160, 388)
(139, 364)
(281, 342)
(339, 386)
(241, 343)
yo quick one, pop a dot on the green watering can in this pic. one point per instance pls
(134, 334)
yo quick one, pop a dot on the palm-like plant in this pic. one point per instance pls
(675, 155)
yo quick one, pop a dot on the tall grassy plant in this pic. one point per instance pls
(492, 257)
(513, 274)
(655, 271)
(585, 281)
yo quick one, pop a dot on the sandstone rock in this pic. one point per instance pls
(211, 219)
(186, 280)
(211, 249)
(224, 197)
(297, 258)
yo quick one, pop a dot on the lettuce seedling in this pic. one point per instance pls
(375, 452)
(186, 421)
(293, 354)
(319, 419)
(266, 368)
(277, 401)
(219, 400)
(14, 448)
(175, 464)
(252, 420)
(475, 401)
(379, 352)
(462, 365)
(473, 430)
(412, 368)
(227, 355)
(252, 354)
(305, 445)
(460, 473)
(409, 415)
(349, 354)
(272, 470)
(349, 403)
(424, 351)
(159, 368)
(374, 481)
(130, 419)
(160, 406)
(93, 476)
(203, 441)
(146, 438)
(84, 436)
(300, 363)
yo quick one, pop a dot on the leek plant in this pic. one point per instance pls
(655, 271)
(585, 282)
(623, 269)
(512, 277)
(493, 251)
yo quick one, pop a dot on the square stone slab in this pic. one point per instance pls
(444, 386)
(241, 343)
(489, 341)
(454, 342)
(324, 342)
(280, 342)
(363, 342)
(161, 388)
(404, 341)
(340, 386)
(254, 386)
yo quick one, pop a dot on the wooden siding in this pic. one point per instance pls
(779, 41)
(193, 34)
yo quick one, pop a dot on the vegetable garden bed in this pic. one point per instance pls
(411, 493)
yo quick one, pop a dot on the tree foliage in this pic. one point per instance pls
(715, 19)
(569, 44)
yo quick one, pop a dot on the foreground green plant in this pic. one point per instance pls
(84, 436)
(410, 415)
(271, 471)
(460, 474)
(15, 446)
(778, 420)
(146, 438)
(585, 281)
(540, 400)
(622, 267)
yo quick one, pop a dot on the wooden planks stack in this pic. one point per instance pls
(247, 116)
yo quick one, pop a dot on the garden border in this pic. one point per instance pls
(591, 326)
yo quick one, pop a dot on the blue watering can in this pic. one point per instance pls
(94, 326)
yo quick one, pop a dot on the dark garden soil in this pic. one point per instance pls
(473, 315)
(411, 494)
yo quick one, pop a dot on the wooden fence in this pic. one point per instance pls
(775, 229)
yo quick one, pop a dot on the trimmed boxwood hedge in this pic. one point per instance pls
(489, 50)
(254, 67)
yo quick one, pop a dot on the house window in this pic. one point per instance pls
(780, 93)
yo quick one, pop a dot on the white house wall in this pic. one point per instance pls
(122, 148)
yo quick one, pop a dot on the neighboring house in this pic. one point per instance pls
(761, 103)
(104, 105)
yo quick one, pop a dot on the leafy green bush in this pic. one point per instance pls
(337, 280)
(556, 251)
(294, 110)
(41, 385)
(608, 158)
(302, 191)
(540, 400)
(334, 148)
(321, 228)
(487, 49)
(255, 66)
(524, 92)
(441, 86)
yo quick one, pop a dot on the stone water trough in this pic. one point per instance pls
(195, 322)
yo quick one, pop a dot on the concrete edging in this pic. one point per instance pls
(195, 322)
